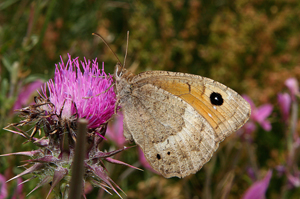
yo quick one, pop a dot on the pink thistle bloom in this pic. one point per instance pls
(284, 101)
(73, 94)
(85, 94)
(115, 131)
(258, 189)
(258, 115)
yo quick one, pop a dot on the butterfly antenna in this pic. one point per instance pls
(108, 46)
(126, 49)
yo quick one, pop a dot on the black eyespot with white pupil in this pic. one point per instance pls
(216, 99)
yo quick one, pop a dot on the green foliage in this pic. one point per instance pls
(251, 46)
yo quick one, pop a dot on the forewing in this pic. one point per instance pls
(196, 91)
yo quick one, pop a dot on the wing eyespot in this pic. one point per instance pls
(216, 99)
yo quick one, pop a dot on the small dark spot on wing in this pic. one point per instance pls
(158, 157)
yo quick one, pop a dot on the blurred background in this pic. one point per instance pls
(251, 46)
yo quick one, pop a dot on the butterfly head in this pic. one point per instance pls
(122, 86)
(119, 71)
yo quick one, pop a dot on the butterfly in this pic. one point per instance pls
(177, 119)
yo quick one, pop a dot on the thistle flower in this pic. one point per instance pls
(72, 95)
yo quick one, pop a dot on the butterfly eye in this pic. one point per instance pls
(216, 99)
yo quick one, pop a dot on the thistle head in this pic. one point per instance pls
(79, 90)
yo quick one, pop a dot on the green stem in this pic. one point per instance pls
(76, 185)
(293, 134)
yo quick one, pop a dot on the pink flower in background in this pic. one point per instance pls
(3, 187)
(294, 180)
(284, 101)
(258, 115)
(292, 85)
(248, 128)
(18, 191)
(88, 188)
(258, 189)
(26, 93)
(75, 92)
(115, 131)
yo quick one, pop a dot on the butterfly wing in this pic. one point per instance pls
(179, 119)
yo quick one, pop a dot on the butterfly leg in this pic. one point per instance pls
(116, 106)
